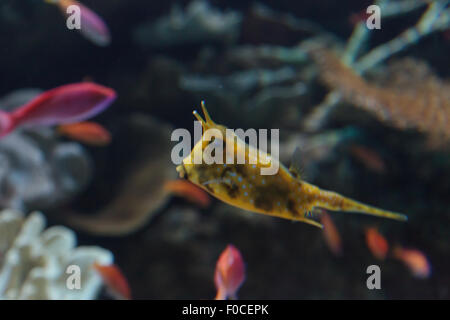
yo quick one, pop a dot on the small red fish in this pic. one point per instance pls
(90, 133)
(415, 260)
(376, 243)
(358, 17)
(114, 280)
(189, 191)
(331, 234)
(65, 104)
(371, 159)
(229, 274)
(91, 25)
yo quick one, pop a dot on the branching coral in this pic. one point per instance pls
(34, 261)
(435, 18)
(423, 104)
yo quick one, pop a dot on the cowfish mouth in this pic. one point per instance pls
(182, 171)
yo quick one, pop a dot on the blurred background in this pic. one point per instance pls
(249, 61)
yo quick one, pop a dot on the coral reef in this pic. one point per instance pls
(421, 102)
(34, 261)
(435, 18)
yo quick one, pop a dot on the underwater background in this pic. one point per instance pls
(379, 135)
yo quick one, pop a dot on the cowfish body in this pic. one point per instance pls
(282, 194)
(242, 185)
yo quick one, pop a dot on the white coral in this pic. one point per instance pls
(34, 261)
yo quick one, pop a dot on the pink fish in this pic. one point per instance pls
(91, 25)
(415, 260)
(230, 273)
(65, 104)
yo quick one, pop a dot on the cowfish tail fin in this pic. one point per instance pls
(7, 123)
(334, 201)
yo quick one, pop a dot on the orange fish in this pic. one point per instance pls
(189, 191)
(331, 234)
(371, 159)
(114, 280)
(358, 17)
(90, 133)
(376, 243)
(415, 260)
(229, 274)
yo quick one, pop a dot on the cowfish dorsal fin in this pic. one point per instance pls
(296, 165)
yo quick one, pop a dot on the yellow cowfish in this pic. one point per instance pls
(282, 195)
